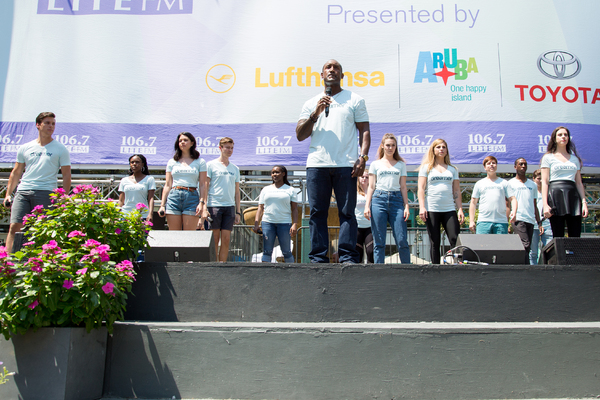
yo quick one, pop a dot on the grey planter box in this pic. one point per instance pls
(55, 363)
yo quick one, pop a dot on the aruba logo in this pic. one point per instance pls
(428, 63)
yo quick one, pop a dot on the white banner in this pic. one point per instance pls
(125, 76)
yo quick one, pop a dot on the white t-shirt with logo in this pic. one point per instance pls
(492, 197)
(136, 192)
(41, 164)
(561, 171)
(334, 139)
(439, 197)
(186, 175)
(388, 178)
(524, 193)
(277, 203)
(221, 189)
(359, 211)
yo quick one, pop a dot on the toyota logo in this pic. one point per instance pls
(558, 64)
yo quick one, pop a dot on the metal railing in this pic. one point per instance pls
(246, 246)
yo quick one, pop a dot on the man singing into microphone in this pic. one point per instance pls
(331, 120)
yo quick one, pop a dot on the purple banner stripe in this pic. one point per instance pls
(263, 145)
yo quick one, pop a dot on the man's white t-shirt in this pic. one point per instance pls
(221, 189)
(492, 199)
(334, 140)
(525, 193)
(41, 164)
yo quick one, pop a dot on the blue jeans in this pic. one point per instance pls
(320, 182)
(537, 244)
(388, 207)
(270, 232)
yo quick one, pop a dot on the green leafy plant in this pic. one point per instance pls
(76, 268)
(4, 374)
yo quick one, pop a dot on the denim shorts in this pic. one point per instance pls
(25, 200)
(181, 201)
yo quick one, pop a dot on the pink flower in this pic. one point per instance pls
(37, 208)
(82, 271)
(50, 245)
(68, 284)
(76, 233)
(3, 252)
(50, 248)
(36, 264)
(28, 243)
(108, 288)
(91, 243)
(148, 223)
(124, 265)
(118, 231)
(60, 191)
(34, 304)
(140, 206)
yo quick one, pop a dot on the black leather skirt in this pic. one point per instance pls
(563, 198)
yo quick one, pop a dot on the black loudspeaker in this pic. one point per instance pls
(493, 249)
(174, 246)
(569, 251)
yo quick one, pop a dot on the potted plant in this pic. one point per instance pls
(74, 272)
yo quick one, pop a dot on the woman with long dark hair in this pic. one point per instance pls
(439, 197)
(277, 206)
(137, 188)
(387, 199)
(183, 193)
(562, 189)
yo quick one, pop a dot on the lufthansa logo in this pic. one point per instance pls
(220, 78)
(559, 65)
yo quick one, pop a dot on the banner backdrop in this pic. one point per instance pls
(125, 76)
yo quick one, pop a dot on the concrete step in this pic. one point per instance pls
(430, 360)
(369, 293)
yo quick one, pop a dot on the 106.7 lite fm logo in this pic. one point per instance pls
(446, 65)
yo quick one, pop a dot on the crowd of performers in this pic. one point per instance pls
(206, 195)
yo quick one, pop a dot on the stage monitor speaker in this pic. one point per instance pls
(570, 251)
(180, 246)
(493, 249)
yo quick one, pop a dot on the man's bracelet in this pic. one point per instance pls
(313, 119)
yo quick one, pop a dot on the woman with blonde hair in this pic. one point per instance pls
(364, 239)
(387, 199)
(439, 197)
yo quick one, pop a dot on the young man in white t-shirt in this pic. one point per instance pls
(493, 192)
(223, 202)
(37, 164)
(525, 191)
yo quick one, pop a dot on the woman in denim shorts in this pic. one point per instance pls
(183, 193)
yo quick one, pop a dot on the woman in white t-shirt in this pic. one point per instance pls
(183, 193)
(137, 188)
(562, 189)
(277, 206)
(439, 197)
(364, 239)
(387, 199)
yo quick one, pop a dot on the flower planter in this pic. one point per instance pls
(55, 363)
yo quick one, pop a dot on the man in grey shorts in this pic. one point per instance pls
(37, 164)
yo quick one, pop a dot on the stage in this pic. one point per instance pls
(330, 331)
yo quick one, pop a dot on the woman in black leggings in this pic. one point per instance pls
(439, 197)
(562, 189)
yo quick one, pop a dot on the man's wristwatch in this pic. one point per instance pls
(366, 157)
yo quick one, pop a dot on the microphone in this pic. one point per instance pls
(328, 93)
